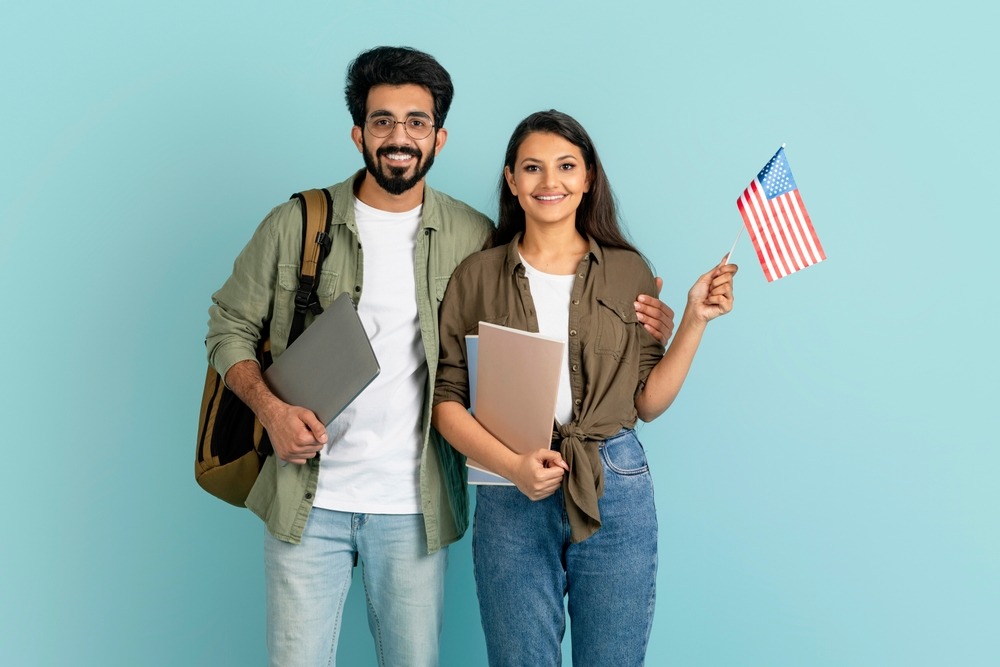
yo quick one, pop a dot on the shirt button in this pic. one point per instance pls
(357, 288)
(309, 496)
(572, 332)
(575, 368)
(577, 402)
(576, 302)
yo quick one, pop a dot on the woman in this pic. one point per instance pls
(580, 519)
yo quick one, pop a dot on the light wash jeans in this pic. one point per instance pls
(525, 565)
(307, 585)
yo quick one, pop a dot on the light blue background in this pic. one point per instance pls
(827, 481)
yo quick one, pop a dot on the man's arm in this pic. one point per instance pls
(236, 322)
(295, 432)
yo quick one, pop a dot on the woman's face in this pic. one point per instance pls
(549, 179)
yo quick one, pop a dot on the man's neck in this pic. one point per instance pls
(372, 194)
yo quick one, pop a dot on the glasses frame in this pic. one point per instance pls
(406, 128)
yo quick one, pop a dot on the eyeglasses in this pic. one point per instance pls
(417, 127)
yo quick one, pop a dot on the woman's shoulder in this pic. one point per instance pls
(482, 262)
(622, 259)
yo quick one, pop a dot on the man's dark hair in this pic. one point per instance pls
(397, 66)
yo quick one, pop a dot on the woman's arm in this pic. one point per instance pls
(537, 475)
(710, 297)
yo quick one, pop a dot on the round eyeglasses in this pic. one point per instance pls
(417, 127)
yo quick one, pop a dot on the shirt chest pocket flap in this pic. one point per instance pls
(615, 321)
(288, 285)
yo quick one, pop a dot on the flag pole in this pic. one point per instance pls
(730, 253)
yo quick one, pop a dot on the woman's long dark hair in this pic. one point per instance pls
(597, 215)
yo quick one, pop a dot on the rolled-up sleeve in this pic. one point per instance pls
(650, 349)
(242, 307)
(452, 382)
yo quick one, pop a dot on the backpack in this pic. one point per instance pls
(232, 445)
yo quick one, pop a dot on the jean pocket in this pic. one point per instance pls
(624, 455)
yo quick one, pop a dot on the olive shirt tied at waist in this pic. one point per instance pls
(610, 352)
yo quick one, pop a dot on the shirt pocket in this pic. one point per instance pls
(616, 322)
(328, 287)
(501, 319)
(284, 297)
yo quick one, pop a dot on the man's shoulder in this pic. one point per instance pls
(284, 221)
(452, 210)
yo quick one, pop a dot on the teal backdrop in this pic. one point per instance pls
(827, 481)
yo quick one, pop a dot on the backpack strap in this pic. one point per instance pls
(317, 213)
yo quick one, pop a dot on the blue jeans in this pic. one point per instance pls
(525, 566)
(307, 584)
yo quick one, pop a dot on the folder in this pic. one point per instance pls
(328, 365)
(513, 386)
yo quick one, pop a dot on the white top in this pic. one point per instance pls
(551, 294)
(372, 460)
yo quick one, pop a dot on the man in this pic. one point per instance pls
(387, 488)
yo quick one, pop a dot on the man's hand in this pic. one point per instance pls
(655, 315)
(296, 434)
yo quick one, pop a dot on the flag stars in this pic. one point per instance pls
(775, 177)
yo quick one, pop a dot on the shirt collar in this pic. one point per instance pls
(513, 259)
(344, 206)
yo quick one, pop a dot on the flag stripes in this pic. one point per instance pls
(780, 228)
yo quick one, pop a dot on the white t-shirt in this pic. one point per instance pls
(551, 294)
(372, 460)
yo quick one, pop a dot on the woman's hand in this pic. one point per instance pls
(538, 474)
(712, 294)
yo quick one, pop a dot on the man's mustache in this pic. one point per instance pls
(404, 150)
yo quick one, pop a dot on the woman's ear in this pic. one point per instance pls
(510, 180)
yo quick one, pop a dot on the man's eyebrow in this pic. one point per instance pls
(378, 113)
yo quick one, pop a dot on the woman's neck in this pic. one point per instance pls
(553, 250)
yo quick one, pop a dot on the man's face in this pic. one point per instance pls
(398, 162)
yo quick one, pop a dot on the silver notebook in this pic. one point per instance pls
(328, 365)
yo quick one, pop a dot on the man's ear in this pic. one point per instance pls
(356, 137)
(440, 138)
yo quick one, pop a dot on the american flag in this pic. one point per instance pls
(777, 221)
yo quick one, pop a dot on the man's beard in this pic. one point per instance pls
(396, 182)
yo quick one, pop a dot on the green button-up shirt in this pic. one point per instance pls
(262, 289)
